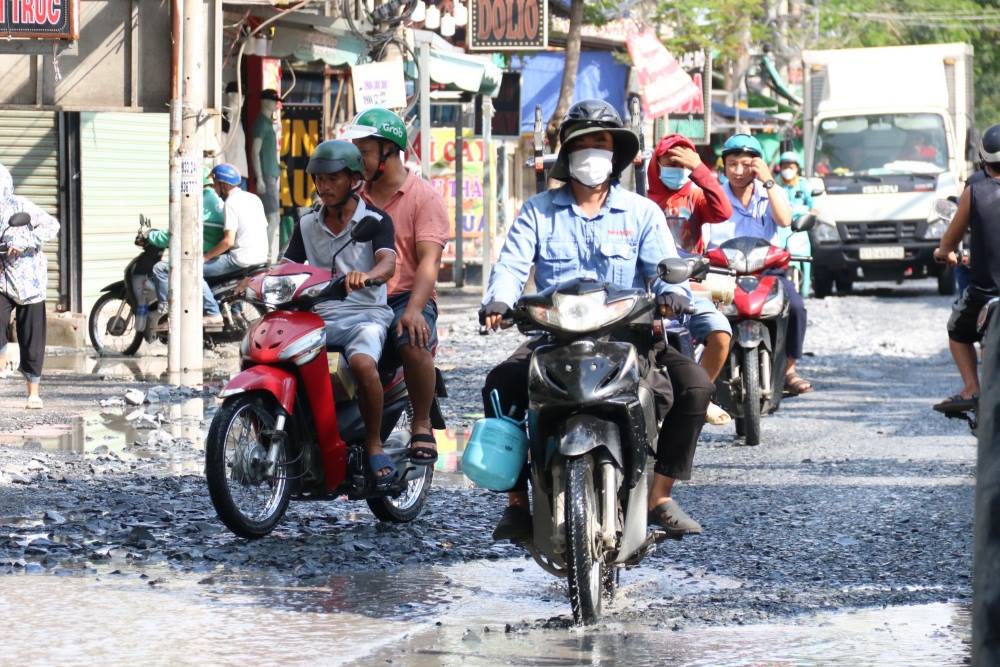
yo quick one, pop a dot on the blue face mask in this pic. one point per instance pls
(674, 177)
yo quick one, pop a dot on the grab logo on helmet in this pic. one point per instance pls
(394, 130)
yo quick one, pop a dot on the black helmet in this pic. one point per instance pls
(989, 145)
(588, 117)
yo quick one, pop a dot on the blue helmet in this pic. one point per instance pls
(790, 157)
(742, 143)
(227, 173)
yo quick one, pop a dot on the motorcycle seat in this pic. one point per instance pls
(239, 273)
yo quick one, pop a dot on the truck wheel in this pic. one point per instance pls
(822, 284)
(946, 282)
(844, 284)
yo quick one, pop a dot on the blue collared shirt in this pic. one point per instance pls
(621, 244)
(755, 219)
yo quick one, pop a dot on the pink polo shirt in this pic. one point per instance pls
(418, 214)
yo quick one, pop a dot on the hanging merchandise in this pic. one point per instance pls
(432, 21)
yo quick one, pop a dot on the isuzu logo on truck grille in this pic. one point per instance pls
(881, 189)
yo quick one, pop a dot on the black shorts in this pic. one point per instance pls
(962, 325)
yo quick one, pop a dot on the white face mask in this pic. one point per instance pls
(788, 174)
(590, 166)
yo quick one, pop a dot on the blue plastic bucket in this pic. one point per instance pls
(496, 451)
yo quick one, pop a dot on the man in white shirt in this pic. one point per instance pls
(244, 239)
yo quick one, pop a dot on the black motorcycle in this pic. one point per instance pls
(126, 312)
(592, 429)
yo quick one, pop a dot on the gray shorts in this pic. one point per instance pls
(358, 330)
(270, 196)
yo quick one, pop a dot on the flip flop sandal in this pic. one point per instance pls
(957, 403)
(423, 456)
(795, 385)
(381, 462)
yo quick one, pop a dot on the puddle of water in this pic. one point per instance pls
(430, 616)
(128, 433)
(150, 365)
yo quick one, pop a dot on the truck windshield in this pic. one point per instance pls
(881, 144)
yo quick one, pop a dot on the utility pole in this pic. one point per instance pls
(187, 308)
(176, 122)
(489, 194)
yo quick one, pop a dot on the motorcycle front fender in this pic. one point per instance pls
(585, 433)
(278, 382)
(117, 288)
(750, 334)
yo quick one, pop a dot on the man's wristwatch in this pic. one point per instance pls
(768, 184)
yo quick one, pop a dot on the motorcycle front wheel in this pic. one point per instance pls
(750, 379)
(248, 497)
(112, 327)
(588, 576)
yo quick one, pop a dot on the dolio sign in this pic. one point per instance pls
(508, 25)
(45, 19)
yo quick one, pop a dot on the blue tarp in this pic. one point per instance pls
(747, 115)
(600, 76)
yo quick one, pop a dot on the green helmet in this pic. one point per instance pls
(379, 124)
(333, 156)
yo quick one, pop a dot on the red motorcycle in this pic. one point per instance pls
(753, 380)
(290, 425)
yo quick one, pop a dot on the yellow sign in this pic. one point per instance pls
(299, 137)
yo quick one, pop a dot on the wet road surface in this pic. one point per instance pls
(843, 539)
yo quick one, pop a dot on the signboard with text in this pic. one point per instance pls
(444, 181)
(300, 134)
(664, 86)
(379, 85)
(39, 19)
(508, 25)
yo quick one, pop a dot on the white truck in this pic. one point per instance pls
(888, 131)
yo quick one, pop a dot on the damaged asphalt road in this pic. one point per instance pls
(859, 496)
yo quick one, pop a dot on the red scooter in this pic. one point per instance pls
(753, 380)
(290, 425)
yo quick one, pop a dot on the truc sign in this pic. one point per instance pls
(39, 19)
(508, 25)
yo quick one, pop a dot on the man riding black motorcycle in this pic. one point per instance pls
(593, 227)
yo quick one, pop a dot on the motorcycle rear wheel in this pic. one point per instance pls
(248, 500)
(408, 505)
(750, 378)
(587, 572)
(111, 326)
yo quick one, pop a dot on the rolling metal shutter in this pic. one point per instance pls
(29, 148)
(124, 169)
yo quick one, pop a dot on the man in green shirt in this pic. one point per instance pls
(212, 217)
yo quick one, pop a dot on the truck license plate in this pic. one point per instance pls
(881, 252)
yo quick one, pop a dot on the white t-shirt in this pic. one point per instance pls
(245, 215)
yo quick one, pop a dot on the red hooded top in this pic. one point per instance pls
(701, 200)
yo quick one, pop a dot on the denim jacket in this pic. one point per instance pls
(621, 244)
(23, 278)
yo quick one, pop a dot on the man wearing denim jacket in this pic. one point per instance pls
(593, 227)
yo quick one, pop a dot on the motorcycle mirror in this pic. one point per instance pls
(817, 186)
(804, 223)
(674, 270)
(366, 229)
(945, 209)
(19, 219)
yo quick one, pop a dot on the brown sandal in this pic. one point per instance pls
(795, 384)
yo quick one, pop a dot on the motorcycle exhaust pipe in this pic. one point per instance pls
(609, 515)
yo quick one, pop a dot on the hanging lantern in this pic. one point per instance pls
(433, 19)
(460, 13)
(419, 12)
(447, 25)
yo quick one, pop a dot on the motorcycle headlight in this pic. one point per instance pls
(280, 289)
(581, 313)
(935, 230)
(826, 232)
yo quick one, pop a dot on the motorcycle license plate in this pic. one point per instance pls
(881, 252)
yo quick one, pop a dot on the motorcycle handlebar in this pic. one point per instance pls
(374, 282)
(801, 258)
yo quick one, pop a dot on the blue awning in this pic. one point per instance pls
(599, 76)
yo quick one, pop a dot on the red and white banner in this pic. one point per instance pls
(664, 86)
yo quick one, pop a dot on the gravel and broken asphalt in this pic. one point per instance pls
(859, 496)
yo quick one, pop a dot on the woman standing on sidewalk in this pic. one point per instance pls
(23, 277)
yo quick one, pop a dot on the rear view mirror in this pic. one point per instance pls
(676, 270)
(817, 187)
(19, 219)
(366, 229)
(804, 223)
(945, 209)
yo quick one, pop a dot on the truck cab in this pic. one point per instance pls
(886, 131)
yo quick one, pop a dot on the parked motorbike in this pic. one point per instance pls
(290, 425)
(125, 313)
(752, 382)
(592, 427)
